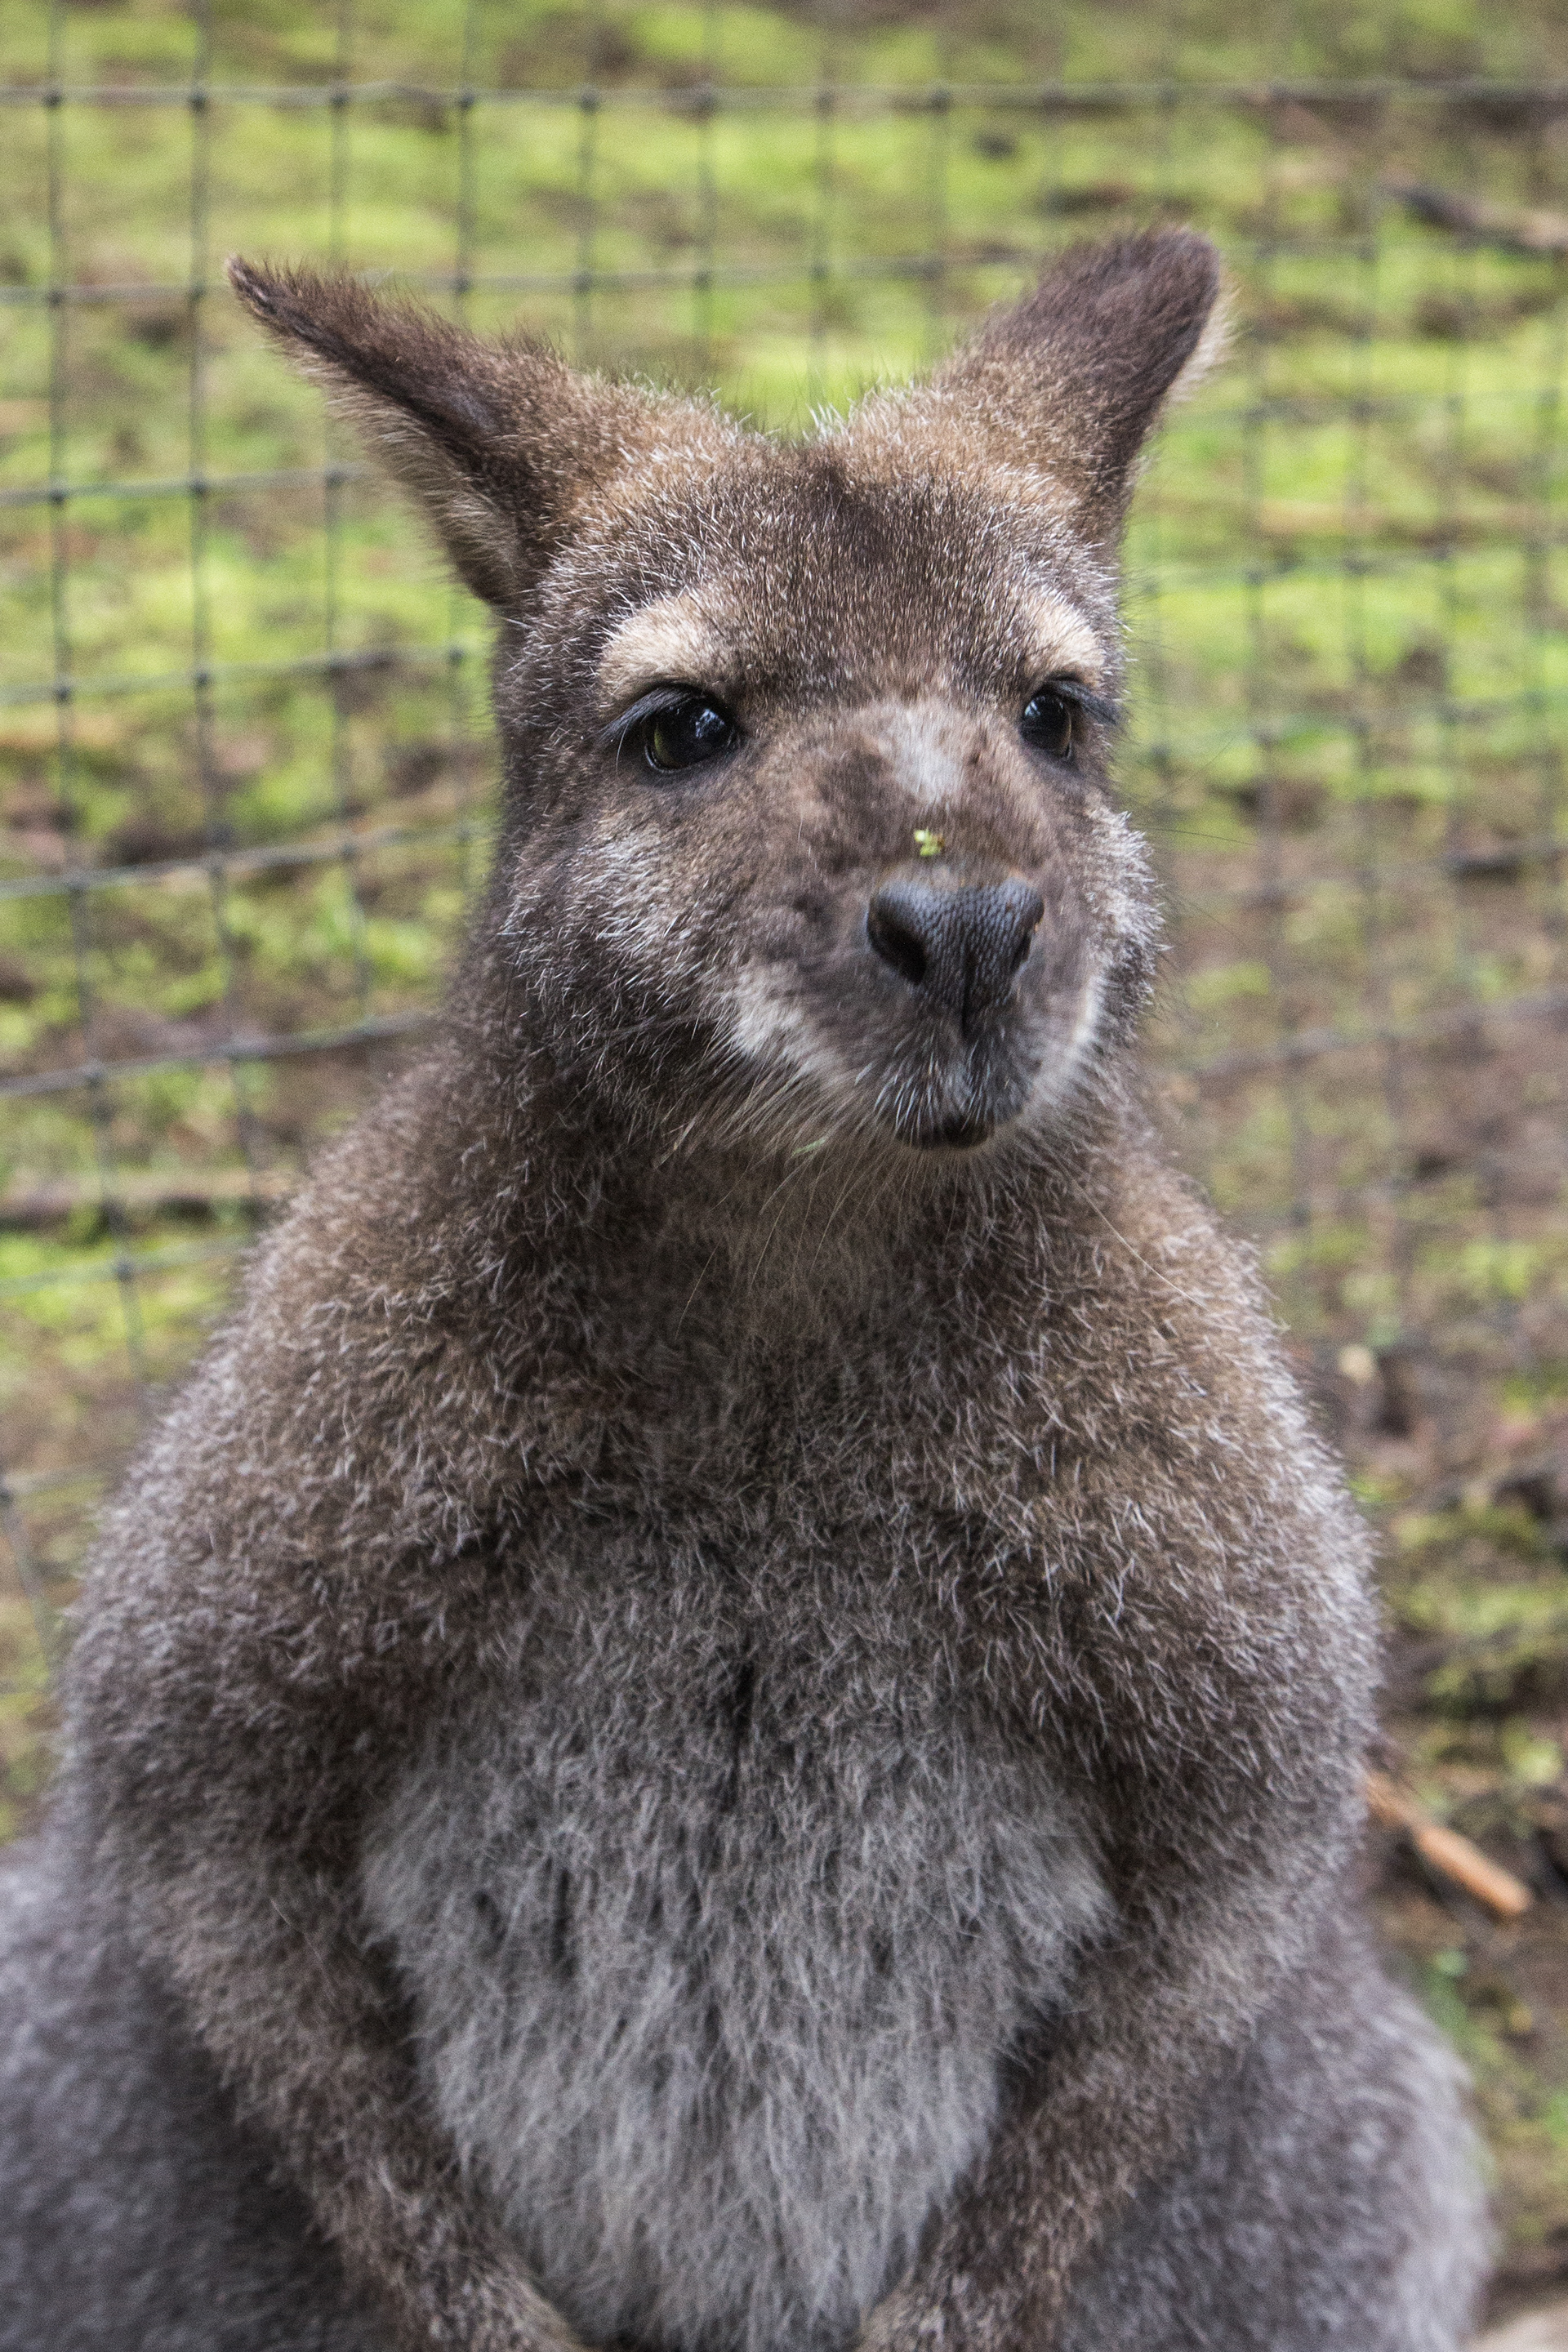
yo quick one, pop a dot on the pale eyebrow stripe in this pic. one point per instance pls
(670, 641)
(1062, 639)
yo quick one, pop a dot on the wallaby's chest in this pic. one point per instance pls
(718, 1934)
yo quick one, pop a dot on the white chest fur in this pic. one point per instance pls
(715, 2012)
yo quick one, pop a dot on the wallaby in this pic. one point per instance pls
(729, 1717)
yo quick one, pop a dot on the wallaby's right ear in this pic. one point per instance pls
(500, 443)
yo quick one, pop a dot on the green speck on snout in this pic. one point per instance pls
(930, 845)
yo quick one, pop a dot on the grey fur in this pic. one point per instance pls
(732, 1712)
(732, 2034)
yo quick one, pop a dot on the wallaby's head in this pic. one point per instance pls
(807, 832)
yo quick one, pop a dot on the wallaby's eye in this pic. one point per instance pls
(672, 727)
(1048, 723)
(684, 732)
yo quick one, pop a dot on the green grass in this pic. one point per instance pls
(1346, 593)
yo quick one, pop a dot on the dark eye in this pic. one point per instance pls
(1048, 723)
(684, 734)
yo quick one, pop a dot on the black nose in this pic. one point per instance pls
(962, 946)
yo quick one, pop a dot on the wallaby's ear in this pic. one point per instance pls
(1065, 384)
(498, 442)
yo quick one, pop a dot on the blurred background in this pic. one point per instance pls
(245, 773)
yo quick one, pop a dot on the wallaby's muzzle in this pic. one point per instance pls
(955, 947)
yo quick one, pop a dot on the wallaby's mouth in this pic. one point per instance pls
(960, 1107)
(959, 1134)
(860, 1040)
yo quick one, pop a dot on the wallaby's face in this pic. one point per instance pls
(807, 831)
(810, 829)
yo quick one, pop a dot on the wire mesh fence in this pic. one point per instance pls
(242, 746)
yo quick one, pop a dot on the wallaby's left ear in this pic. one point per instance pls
(1065, 384)
(500, 443)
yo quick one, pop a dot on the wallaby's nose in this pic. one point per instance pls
(962, 945)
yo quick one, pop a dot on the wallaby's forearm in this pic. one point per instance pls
(307, 2030)
(1107, 2110)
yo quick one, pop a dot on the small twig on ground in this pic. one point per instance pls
(1454, 1857)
